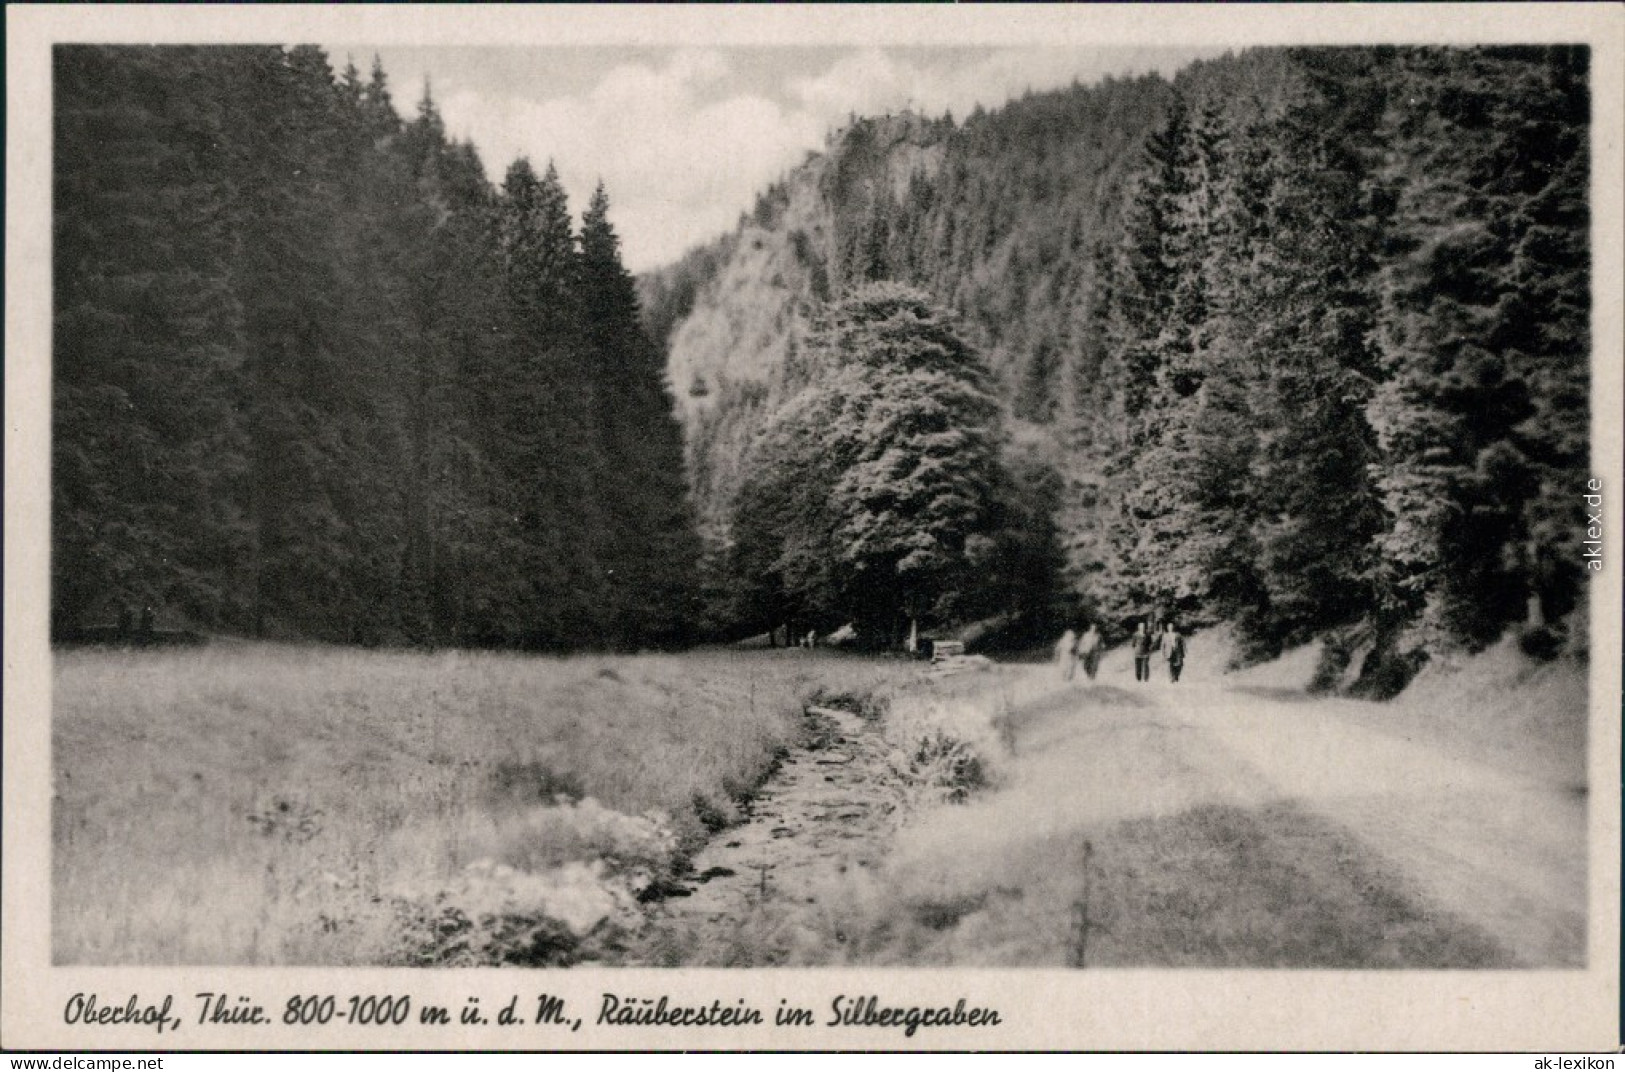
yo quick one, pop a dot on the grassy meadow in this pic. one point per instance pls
(255, 804)
(249, 804)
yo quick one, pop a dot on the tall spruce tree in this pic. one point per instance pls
(146, 450)
(1314, 509)
(1484, 333)
(559, 461)
(650, 548)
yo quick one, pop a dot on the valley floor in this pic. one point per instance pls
(1212, 822)
(792, 808)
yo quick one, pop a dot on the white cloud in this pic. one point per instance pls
(679, 166)
(684, 143)
(872, 80)
(862, 82)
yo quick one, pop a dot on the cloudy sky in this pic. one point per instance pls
(684, 138)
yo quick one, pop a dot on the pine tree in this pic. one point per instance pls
(1156, 310)
(1173, 537)
(1314, 509)
(556, 462)
(650, 547)
(326, 504)
(147, 453)
(1483, 333)
(450, 306)
(315, 379)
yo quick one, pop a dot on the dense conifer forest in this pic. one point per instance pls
(1298, 340)
(316, 377)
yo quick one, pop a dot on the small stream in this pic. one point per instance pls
(826, 815)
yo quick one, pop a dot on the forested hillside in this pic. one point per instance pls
(315, 377)
(1299, 340)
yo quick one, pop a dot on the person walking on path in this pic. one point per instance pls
(1066, 654)
(1142, 653)
(1089, 651)
(1173, 650)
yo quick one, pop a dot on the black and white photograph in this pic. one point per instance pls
(941, 529)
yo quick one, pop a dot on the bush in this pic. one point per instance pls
(1541, 642)
(1387, 671)
(868, 704)
(949, 764)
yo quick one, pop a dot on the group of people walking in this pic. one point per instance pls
(1073, 650)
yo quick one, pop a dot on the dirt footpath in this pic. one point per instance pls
(1504, 851)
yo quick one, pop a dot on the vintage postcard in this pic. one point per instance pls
(855, 528)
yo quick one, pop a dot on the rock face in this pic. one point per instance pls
(999, 218)
(746, 323)
(732, 358)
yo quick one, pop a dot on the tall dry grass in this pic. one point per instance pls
(251, 804)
